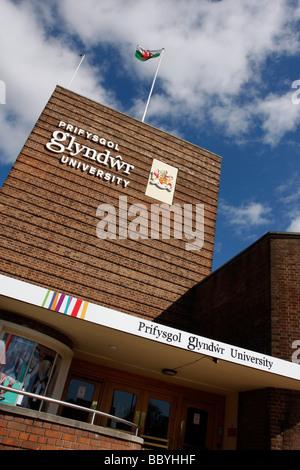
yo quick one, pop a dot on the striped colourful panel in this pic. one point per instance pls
(65, 304)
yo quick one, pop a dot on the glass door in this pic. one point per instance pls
(157, 422)
(125, 402)
(82, 392)
(195, 429)
(198, 426)
(123, 406)
(151, 411)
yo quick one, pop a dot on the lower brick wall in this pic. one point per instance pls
(253, 433)
(269, 419)
(285, 419)
(27, 429)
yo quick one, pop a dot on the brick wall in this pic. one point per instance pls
(254, 302)
(48, 215)
(269, 419)
(233, 304)
(285, 297)
(285, 294)
(25, 429)
(284, 408)
(253, 426)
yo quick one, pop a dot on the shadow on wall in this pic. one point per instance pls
(181, 314)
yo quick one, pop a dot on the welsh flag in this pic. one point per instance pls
(144, 55)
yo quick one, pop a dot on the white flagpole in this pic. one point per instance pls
(82, 57)
(162, 51)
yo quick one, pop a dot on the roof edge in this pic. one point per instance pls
(270, 235)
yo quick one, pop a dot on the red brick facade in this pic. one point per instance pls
(253, 301)
(22, 429)
(49, 219)
(269, 419)
(285, 294)
(48, 214)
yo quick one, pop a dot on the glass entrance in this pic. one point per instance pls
(83, 393)
(168, 419)
(195, 430)
(152, 412)
(156, 428)
(123, 406)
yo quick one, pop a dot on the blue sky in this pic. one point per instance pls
(227, 83)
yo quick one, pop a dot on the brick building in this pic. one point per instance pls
(107, 240)
(253, 302)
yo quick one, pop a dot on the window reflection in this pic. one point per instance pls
(196, 429)
(157, 419)
(25, 365)
(123, 406)
(79, 393)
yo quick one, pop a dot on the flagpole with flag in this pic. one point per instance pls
(82, 57)
(144, 55)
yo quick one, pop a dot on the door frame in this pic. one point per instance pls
(180, 398)
(143, 396)
(200, 405)
(109, 394)
(97, 394)
(152, 441)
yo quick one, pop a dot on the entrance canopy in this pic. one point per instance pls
(136, 345)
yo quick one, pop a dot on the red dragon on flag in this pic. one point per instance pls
(143, 54)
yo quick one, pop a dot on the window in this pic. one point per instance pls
(26, 365)
(196, 429)
(80, 392)
(157, 419)
(123, 406)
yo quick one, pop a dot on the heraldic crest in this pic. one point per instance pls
(162, 179)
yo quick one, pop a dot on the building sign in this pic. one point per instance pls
(105, 164)
(161, 182)
(126, 323)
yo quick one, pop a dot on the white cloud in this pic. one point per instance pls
(288, 196)
(32, 64)
(280, 115)
(289, 192)
(210, 74)
(235, 120)
(247, 216)
(295, 225)
(214, 54)
(211, 47)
